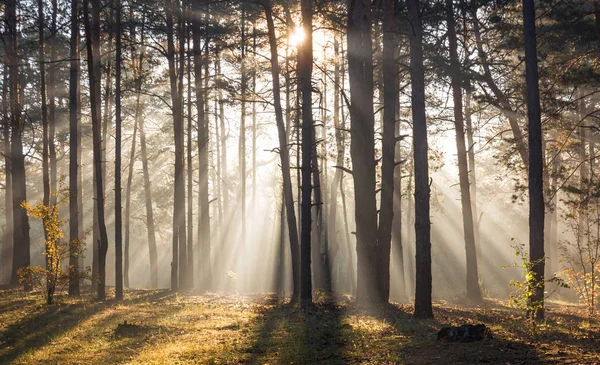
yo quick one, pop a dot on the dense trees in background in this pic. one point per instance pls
(334, 113)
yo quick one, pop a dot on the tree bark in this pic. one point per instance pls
(423, 308)
(21, 240)
(7, 237)
(472, 279)
(178, 193)
(305, 63)
(118, 208)
(75, 150)
(390, 106)
(284, 156)
(92, 30)
(536, 184)
(362, 148)
(204, 212)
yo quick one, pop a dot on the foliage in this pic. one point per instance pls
(54, 276)
(581, 255)
(521, 296)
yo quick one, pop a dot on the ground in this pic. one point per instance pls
(158, 327)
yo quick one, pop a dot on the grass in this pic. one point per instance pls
(158, 327)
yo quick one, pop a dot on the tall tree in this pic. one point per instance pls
(92, 33)
(52, 98)
(204, 218)
(118, 209)
(21, 239)
(423, 308)
(536, 181)
(362, 148)
(305, 65)
(7, 239)
(284, 156)
(75, 145)
(242, 140)
(390, 107)
(179, 188)
(473, 290)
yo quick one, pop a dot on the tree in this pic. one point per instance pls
(21, 239)
(305, 64)
(423, 308)
(118, 210)
(288, 195)
(177, 272)
(390, 107)
(473, 290)
(362, 148)
(92, 33)
(75, 198)
(536, 181)
(204, 219)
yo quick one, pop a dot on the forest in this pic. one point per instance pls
(299, 181)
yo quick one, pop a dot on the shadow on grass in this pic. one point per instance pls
(287, 334)
(40, 324)
(419, 344)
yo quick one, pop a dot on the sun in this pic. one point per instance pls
(296, 37)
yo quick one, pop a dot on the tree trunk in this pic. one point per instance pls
(52, 100)
(21, 240)
(242, 140)
(178, 193)
(75, 197)
(118, 209)
(536, 184)
(7, 241)
(284, 156)
(390, 107)
(423, 307)
(305, 61)
(362, 149)
(190, 186)
(204, 212)
(45, 158)
(472, 280)
(92, 30)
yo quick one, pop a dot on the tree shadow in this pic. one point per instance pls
(46, 322)
(286, 333)
(417, 341)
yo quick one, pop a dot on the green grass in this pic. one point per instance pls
(163, 328)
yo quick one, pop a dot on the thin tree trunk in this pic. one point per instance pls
(178, 194)
(536, 184)
(242, 139)
(118, 208)
(204, 212)
(21, 240)
(472, 279)
(305, 61)
(92, 30)
(75, 151)
(45, 157)
(190, 188)
(390, 106)
(362, 148)
(423, 308)
(7, 242)
(284, 156)
(52, 100)
(185, 278)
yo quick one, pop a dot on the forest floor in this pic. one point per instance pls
(158, 327)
